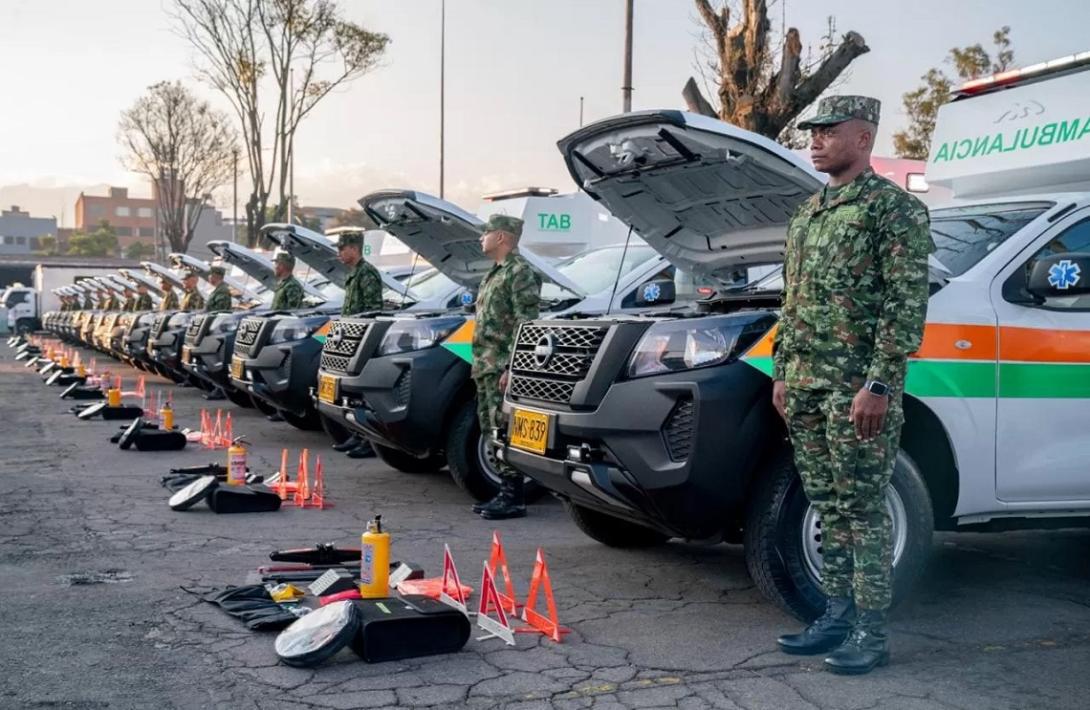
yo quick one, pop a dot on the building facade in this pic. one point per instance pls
(20, 233)
(133, 218)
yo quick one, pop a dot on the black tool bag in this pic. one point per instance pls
(408, 627)
(253, 606)
(159, 440)
(243, 499)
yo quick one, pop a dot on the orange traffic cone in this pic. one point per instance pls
(451, 583)
(302, 481)
(317, 494)
(549, 626)
(497, 562)
(500, 627)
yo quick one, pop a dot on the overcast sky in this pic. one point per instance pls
(515, 72)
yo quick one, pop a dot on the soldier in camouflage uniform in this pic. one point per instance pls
(130, 299)
(289, 292)
(88, 301)
(112, 301)
(855, 300)
(509, 294)
(363, 289)
(103, 299)
(192, 300)
(143, 299)
(220, 298)
(362, 293)
(170, 298)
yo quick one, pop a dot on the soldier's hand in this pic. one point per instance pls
(779, 397)
(868, 413)
(503, 381)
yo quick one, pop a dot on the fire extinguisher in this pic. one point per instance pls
(375, 561)
(236, 462)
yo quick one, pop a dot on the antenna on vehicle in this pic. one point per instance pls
(620, 269)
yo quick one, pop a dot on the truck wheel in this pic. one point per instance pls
(308, 422)
(407, 463)
(472, 463)
(24, 326)
(783, 535)
(611, 531)
(337, 432)
(267, 409)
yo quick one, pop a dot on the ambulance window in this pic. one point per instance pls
(1074, 239)
(965, 235)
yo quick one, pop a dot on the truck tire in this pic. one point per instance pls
(471, 462)
(241, 399)
(309, 421)
(611, 531)
(407, 463)
(267, 409)
(336, 431)
(782, 535)
(25, 326)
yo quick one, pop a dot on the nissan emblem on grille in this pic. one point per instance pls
(544, 349)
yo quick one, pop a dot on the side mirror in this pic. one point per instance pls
(656, 293)
(1060, 275)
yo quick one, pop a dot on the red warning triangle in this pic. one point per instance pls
(497, 564)
(450, 574)
(549, 626)
(490, 599)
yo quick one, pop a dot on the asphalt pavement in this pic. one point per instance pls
(101, 583)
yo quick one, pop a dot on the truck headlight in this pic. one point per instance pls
(408, 335)
(674, 346)
(287, 330)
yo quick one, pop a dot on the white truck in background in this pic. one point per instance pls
(22, 307)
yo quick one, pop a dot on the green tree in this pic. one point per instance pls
(922, 104)
(47, 245)
(101, 242)
(138, 251)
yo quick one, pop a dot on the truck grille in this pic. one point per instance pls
(341, 344)
(678, 430)
(194, 332)
(159, 324)
(550, 360)
(246, 339)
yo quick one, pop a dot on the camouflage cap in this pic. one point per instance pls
(837, 109)
(190, 274)
(504, 223)
(284, 257)
(347, 239)
(217, 270)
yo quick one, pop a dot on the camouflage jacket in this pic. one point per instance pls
(103, 303)
(129, 304)
(289, 294)
(143, 302)
(192, 301)
(510, 294)
(855, 286)
(170, 301)
(88, 303)
(219, 299)
(362, 290)
(112, 303)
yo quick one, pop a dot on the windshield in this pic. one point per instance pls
(596, 270)
(427, 286)
(965, 235)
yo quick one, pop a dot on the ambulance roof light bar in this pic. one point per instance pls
(1014, 76)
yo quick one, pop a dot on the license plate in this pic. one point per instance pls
(530, 430)
(236, 368)
(186, 354)
(327, 388)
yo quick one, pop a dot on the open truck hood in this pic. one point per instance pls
(446, 236)
(159, 271)
(255, 265)
(204, 269)
(140, 277)
(707, 195)
(317, 251)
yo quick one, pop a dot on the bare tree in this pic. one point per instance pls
(752, 92)
(185, 147)
(304, 48)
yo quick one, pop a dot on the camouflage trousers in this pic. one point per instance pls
(489, 408)
(845, 480)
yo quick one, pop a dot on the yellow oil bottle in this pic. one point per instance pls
(166, 416)
(375, 561)
(236, 463)
(113, 397)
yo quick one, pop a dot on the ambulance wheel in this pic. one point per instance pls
(472, 462)
(242, 399)
(307, 422)
(783, 538)
(407, 463)
(612, 531)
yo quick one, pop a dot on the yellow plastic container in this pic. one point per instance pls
(113, 397)
(375, 561)
(166, 416)
(236, 463)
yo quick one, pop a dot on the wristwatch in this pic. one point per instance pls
(875, 387)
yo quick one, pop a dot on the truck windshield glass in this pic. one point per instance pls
(965, 235)
(426, 286)
(595, 270)
(14, 298)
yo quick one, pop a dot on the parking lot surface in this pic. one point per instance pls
(101, 608)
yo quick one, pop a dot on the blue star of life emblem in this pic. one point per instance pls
(467, 298)
(1064, 275)
(651, 292)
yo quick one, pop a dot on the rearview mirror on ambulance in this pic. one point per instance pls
(656, 293)
(1060, 275)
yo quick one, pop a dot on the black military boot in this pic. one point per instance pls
(826, 632)
(348, 444)
(510, 503)
(215, 394)
(866, 648)
(363, 451)
(478, 507)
